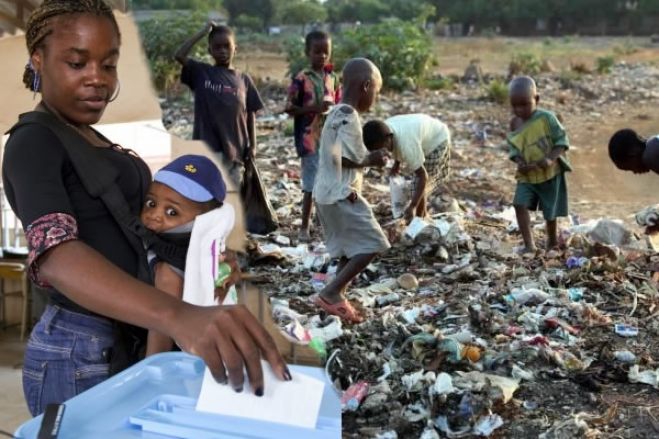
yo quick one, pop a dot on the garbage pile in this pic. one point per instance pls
(465, 336)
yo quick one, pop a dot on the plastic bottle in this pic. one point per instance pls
(387, 299)
(223, 273)
(625, 356)
(318, 345)
(522, 296)
(354, 395)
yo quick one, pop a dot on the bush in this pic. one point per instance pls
(497, 91)
(161, 37)
(295, 56)
(524, 64)
(402, 51)
(604, 64)
(439, 83)
(248, 23)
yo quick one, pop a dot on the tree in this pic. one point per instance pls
(302, 12)
(366, 11)
(262, 9)
(199, 5)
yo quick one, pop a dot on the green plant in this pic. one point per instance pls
(626, 48)
(497, 91)
(524, 63)
(161, 37)
(248, 22)
(568, 78)
(402, 51)
(605, 64)
(297, 60)
(439, 83)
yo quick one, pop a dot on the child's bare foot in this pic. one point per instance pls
(525, 250)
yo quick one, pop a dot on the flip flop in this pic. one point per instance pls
(342, 309)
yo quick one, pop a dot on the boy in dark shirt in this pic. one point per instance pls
(226, 100)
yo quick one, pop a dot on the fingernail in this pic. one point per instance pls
(221, 380)
(259, 391)
(238, 389)
(287, 375)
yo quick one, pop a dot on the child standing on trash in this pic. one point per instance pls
(422, 144)
(189, 186)
(311, 94)
(537, 144)
(351, 231)
(226, 100)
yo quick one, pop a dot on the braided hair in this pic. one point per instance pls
(39, 25)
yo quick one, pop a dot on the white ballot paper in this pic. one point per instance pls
(295, 402)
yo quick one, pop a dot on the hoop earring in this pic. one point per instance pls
(36, 82)
(116, 92)
(36, 79)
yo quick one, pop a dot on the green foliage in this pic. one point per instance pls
(161, 37)
(402, 51)
(524, 64)
(350, 11)
(568, 78)
(439, 83)
(248, 22)
(197, 5)
(302, 12)
(605, 64)
(497, 91)
(297, 60)
(626, 48)
(263, 9)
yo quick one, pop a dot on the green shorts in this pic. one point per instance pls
(550, 196)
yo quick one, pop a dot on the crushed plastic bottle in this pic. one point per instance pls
(354, 395)
(625, 356)
(577, 262)
(318, 345)
(387, 299)
(523, 296)
(223, 273)
(575, 294)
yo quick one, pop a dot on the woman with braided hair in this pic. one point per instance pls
(77, 250)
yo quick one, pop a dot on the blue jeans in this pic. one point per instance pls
(67, 353)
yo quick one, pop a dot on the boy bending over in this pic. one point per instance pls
(351, 231)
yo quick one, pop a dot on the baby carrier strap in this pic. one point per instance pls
(98, 177)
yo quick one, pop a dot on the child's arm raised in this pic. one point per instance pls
(181, 55)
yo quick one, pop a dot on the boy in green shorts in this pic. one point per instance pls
(537, 144)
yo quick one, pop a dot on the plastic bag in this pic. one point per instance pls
(400, 197)
(259, 214)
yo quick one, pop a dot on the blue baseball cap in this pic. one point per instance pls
(195, 177)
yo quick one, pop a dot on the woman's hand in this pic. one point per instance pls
(229, 339)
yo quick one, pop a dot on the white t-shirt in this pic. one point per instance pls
(341, 137)
(415, 137)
